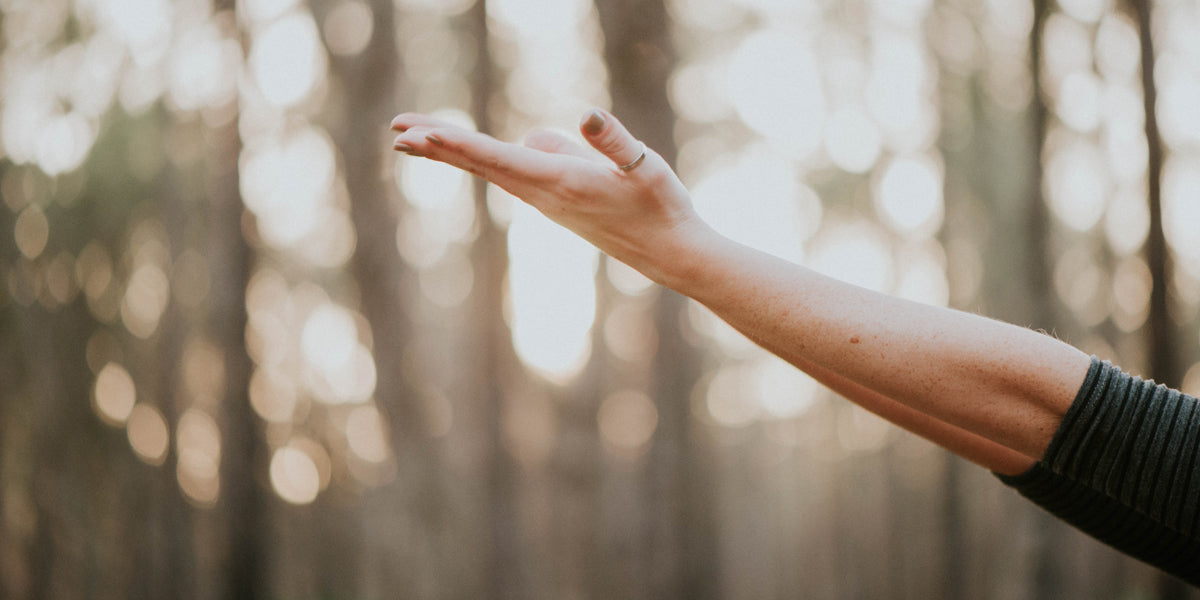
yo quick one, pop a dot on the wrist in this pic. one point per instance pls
(682, 262)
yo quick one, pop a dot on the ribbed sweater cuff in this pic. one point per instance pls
(1135, 442)
(1124, 467)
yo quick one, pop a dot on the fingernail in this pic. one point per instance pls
(405, 148)
(593, 122)
(435, 140)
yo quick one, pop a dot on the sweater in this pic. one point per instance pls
(1124, 467)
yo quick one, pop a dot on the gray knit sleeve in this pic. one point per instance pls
(1124, 467)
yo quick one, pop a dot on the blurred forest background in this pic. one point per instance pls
(247, 351)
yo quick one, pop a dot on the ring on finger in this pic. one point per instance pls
(635, 162)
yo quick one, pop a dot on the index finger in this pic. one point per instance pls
(507, 165)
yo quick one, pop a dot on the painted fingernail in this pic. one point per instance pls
(405, 148)
(593, 122)
(435, 140)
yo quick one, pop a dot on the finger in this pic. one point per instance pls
(404, 122)
(553, 142)
(508, 165)
(606, 134)
(415, 143)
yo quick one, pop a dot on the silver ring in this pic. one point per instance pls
(637, 161)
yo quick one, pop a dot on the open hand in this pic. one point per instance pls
(642, 216)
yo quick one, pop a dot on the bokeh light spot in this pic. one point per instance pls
(1181, 210)
(629, 333)
(272, 396)
(294, 475)
(32, 231)
(625, 278)
(145, 300)
(287, 182)
(1088, 11)
(909, 196)
(114, 394)
(286, 59)
(627, 420)
(198, 444)
(726, 399)
(1078, 186)
(348, 27)
(1078, 103)
(1127, 220)
(262, 11)
(553, 292)
(148, 433)
(776, 88)
(852, 140)
(854, 252)
(329, 336)
(783, 391)
(365, 434)
(757, 200)
(204, 69)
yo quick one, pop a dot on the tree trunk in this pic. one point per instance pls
(370, 85)
(1047, 573)
(243, 451)
(14, 380)
(169, 522)
(494, 361)
(1038, 217)
(680, 541)
(1163, 334)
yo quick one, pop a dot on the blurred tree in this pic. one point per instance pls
(994, 183)
(243, 507)
(1038, 281)
(493, 363)
(370, 87)
(12, 373)
(679, 542)
(1162, 331)
(168, 525)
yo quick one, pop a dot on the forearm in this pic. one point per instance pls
(1007, 384)
(975, 448)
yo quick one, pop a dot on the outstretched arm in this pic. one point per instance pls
(1005, 383)
(980, 387)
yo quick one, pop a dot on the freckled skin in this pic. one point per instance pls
(991, 392)
(1007, 385)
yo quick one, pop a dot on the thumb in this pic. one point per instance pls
(606, 134)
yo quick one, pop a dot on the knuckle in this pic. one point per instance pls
(612, 142)
(571, 185)
(493, 164)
